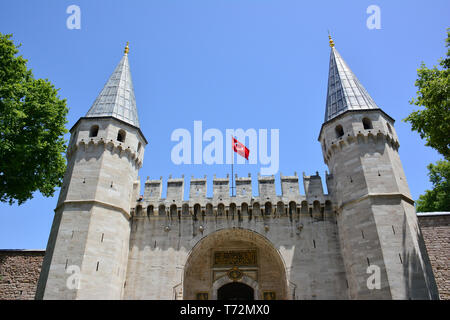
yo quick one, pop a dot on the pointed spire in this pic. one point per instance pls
(117, 96)
(345, 92)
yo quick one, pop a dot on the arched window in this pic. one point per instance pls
(280, 208)
(197, 211)
(93, 132)
(173, 211)
(220, 209)
(232, 210)
(267, 208)
(139, 147)
(121, 136)
(256, 209)
(292, 208)
(304, 208)
(244, 208)
(367, 123)
(339, 131)
(209, 209)
(185, 209)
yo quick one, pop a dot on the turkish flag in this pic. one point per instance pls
(240, 148)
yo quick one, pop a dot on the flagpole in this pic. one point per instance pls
(232, 180)
(232, 177)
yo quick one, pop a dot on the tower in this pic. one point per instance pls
(87, 251)
(378, 228)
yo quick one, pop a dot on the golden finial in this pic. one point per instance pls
(126, 49)
(331, 41)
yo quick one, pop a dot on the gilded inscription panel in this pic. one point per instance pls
(235, 258)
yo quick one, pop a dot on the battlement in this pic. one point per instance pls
(175, 189)
(290, 200)
(361, 137)
(369, 128)
(111, 145)
(197, 190)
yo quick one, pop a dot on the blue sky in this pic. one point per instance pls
(230, 63)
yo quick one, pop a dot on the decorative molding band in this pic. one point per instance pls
(377, 195)
(101, 203)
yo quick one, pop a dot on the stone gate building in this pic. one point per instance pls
(114, 244)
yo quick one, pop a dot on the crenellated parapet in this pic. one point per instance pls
(112, 146)
(365, 137)
(289, 186)
(368, 128)
(313, 188)
(242, 203)
(98, 134)
(197, 190)
(266, 187)
(175, 189)
(221, 189)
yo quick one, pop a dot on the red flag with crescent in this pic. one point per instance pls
(240, 148)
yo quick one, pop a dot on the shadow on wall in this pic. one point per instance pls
(413, 270)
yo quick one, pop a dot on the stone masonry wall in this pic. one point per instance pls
(19, 269)
(436, 233)
(19, 273)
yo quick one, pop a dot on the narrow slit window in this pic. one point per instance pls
(93, 132)
(121, 136)
(367, 124)
(339, 131)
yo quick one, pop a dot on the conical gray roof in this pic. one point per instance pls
(345, 92)
(117, 96)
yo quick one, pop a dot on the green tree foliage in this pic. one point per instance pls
(433, 124)
(437, 199)
(32, 125)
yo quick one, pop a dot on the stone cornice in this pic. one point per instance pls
(376, 195)
(97, 202)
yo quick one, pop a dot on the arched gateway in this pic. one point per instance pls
(129, 246)
(234, 264)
